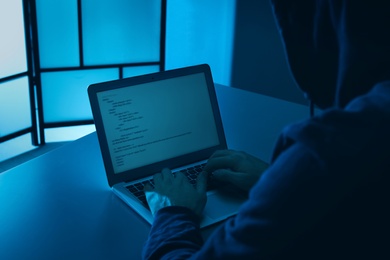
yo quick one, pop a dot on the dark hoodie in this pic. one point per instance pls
(325, 194)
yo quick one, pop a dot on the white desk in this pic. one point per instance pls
(59, 205)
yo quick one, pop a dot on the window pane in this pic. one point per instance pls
(14, 106)
(58, 33)
(15, 146)
(121, 31)
(70, 133)
(135, 71)
(65, 95)
(12, 44)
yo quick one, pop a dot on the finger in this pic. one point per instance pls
(201, 182)
(219, 159)
(221, 153)
(180, 175)
(160, 178)
(148, 187)
(181, 179)
(167, 175)
(225, 162)
(157, 179)
(166, 172)
(225, 175)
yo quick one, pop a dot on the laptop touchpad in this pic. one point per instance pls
(222, 204)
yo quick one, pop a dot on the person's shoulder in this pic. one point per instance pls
(376, 101)
(359, 129)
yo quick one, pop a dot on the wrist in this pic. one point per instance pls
(177, 212)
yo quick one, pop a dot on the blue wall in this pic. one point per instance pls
(201, 31)
(239, 40)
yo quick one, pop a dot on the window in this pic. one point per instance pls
(16, 105)
(52, 50)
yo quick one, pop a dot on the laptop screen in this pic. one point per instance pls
(156, 121)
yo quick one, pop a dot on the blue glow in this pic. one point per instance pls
(14, 106)
(136, 71)
(12, 44)
(65, 95)
(58, 33)
(121, 31)
(70, 133)
(201, 32)
(15, 147)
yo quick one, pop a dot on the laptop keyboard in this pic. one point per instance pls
(192, 173)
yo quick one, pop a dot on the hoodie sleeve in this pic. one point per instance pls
(268, 224)
(174, 235)
(324, 196)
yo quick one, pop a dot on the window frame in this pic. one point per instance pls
(34, 71)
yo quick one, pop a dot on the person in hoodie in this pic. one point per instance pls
(325, 194)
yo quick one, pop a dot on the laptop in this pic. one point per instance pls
(161, 120)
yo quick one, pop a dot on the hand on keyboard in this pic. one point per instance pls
(176, 190)
(237, 168)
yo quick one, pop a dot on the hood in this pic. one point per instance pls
(337, 49)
